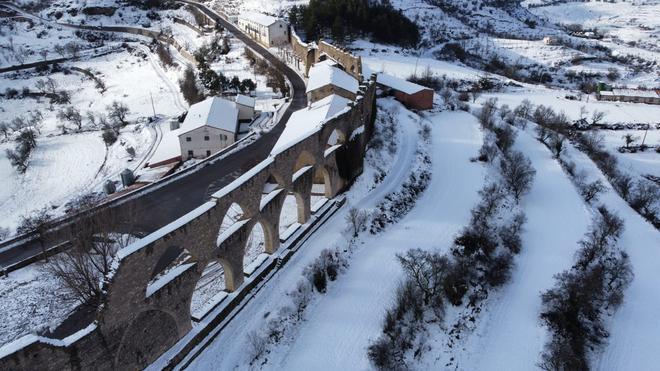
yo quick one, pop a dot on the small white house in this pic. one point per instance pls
(245, 107)
(210, 126)
(266, 30)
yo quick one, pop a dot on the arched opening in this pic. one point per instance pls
(210, 289)
(289, 216)
(234, 214)
(211, 286)
(337, 137)
(255, 248)
(321, 189)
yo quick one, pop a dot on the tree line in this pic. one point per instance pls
(345, 20)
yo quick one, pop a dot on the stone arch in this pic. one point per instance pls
(168, 258)
(305, 158)
(337, 136)
(322, 177)
(272, 183)
(211, 283)
(150, 334)
(302, 184)
(232, 215)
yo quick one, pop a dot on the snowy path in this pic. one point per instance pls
(339, 329)
(510, 333)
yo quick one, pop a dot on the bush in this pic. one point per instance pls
(505, 138)
(573, 309)
(518, 173)
(109, 137)
(188, 86)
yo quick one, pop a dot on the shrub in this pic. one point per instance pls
(518, 173)
(109, 137)
(573, 309)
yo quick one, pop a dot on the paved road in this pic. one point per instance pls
(152, 210)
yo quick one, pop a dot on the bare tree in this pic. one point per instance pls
(44, 54)
(5, 128)
(629, 139)
(590, 191)
(72, 115)
(356, 220)
(117, 113)
(518, 173)
(59, 49)
(556, 144)
(597, 117)
(94, 243)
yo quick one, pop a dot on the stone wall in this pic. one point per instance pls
(306, 53)
(147, 307)
(351, 63)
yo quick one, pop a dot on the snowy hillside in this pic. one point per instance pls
(513, 226)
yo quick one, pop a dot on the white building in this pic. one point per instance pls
(245, 107)
(210, 126)
(266, 30)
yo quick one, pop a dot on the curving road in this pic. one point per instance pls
(150, 210)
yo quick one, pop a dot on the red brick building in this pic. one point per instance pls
(410, 94)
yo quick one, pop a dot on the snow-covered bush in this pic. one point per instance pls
(574, 309)
(356, 220)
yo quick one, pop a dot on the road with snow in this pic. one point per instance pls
(338, 328)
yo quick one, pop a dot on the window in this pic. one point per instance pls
(190, 153)
(206, 138)
(223, 137)
(188, 139)
(208, 153)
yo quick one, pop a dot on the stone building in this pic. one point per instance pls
(210, 126)
(630, 95)
(266, 30)
(410, 94)
(325, 79)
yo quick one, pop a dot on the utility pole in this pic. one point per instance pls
(644, 139)
(152, 104)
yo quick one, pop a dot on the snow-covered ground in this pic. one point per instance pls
(615, 112)
(63, 167)
(641, 163)
(31, 301)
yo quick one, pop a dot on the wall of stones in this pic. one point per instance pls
(352, 64)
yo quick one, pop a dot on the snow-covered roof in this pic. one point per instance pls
(635, 93)
(304, 122)
(399, 84)
(329, 61)
(260, 18)
(244, 100)
(215, 112)
(322, 74)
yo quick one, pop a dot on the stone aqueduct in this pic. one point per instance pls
(140, 319)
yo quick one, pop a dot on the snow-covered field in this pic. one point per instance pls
(65, 166)
(31, 301)
(642, 163)
(615, 112)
